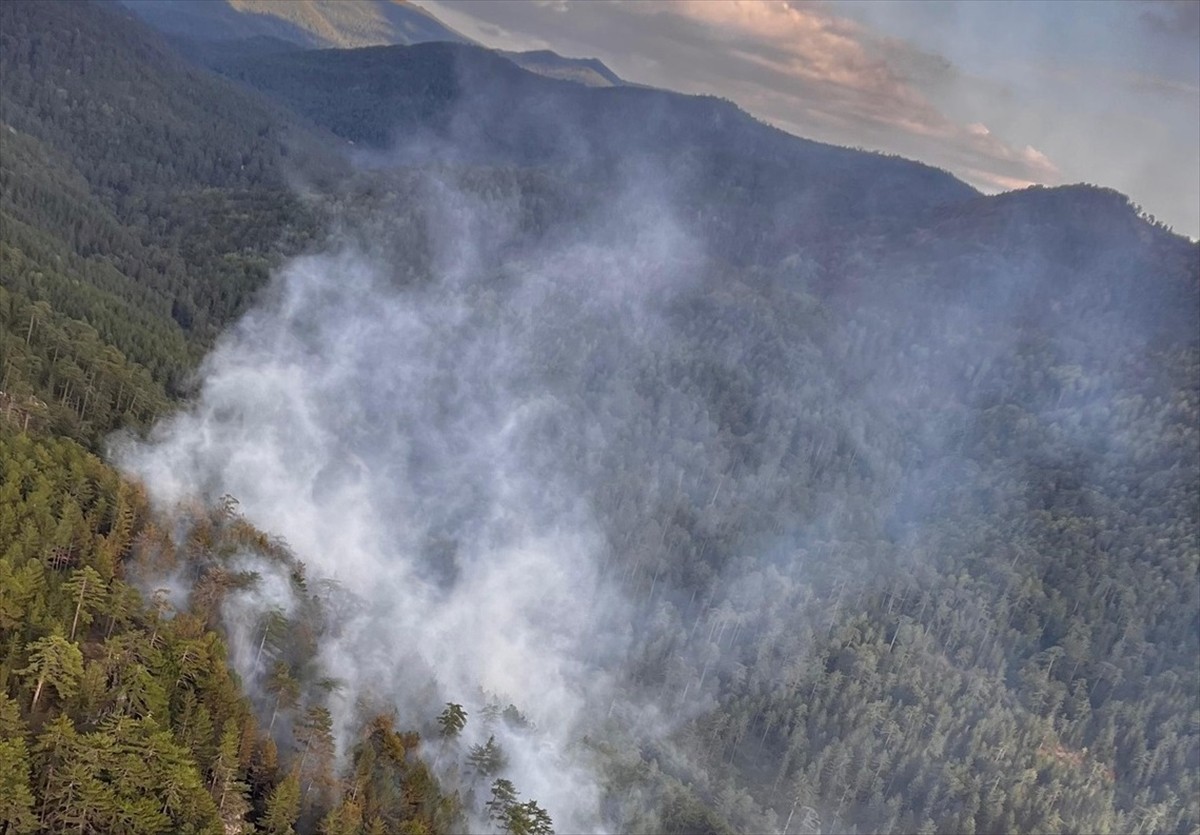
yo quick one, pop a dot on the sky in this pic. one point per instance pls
(1002, 94)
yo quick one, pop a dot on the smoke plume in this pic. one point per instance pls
(401, 436)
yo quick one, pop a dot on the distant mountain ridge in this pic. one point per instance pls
(591, 72)
(463, 103)
(343, 24)
(475, 105)
(307, 23)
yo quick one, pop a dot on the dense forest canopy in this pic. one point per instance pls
(503, 454)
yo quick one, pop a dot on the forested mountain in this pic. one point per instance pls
(568, 458)
(591, 72)
(143, 200)
(468, 105)
(308, 23)
(311, 24)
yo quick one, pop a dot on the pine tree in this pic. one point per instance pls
(283, 807)
(86, 588)
(285, 688)
(452, 720)
(229, 792)
(528, 818)
(314, 734)
(345, 819)
(487, 759)
(16, 796)
(55, 661)
(504, 796)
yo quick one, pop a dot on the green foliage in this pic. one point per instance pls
(127, 775)
(229, 790)
(487, 759)
(283, 807)
(395, 791)
(345, 819)
(683, 814)
(55, 661)
(86, 587)
(135, 722)
(16, 797)
(527, 818)
(515, 818)
(115, 270)
(60, 376)
(503, 796)
(452, 720)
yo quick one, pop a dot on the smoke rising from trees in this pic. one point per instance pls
(402, 437)
(738, 500)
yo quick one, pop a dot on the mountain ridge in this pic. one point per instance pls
(386, 97)
(308, 23)
(342, 24)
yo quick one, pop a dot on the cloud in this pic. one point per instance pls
(1105, 94)
(834, 65)
(1110, 92)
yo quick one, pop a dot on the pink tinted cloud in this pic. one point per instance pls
(839, 72)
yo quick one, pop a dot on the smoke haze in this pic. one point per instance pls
(401, 437)
(669, 473)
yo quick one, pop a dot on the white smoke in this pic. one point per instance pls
(396, 434)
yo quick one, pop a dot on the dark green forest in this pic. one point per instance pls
(900, 483)
(142, 204)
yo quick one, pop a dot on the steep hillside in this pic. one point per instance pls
(902, 538)
(116, 152)
(1075, 251)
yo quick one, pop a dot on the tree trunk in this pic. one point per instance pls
(78, 607)
(37, 693)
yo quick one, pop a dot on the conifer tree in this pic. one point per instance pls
(452, 720)
(55, 661)
(283, 807)
(87, 589)
(16, 796)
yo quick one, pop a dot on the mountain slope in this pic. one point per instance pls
(311, 23)
(337, 23)
(589, 72)
(1079, 247)
(142, 201)
(115, 153)
(471, 105)
(978, 404)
